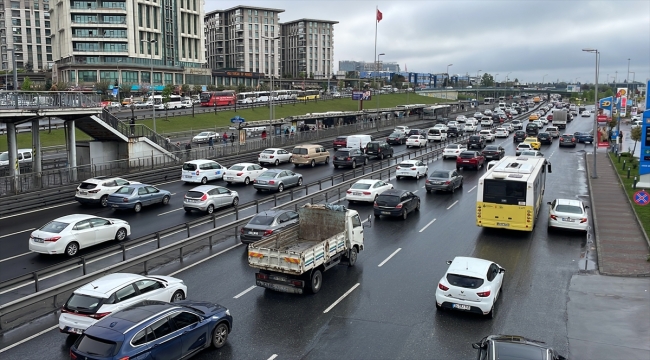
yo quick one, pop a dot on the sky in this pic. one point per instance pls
(526, 38)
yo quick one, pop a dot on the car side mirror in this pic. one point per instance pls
(548, 202)
(476, 346)
(586, 206)
(449, 262)
(502, 270)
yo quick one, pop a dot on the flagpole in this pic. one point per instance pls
(376, 60)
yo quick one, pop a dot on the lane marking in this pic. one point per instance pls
(170, 211)
(28, 338)
(17, 232)
(16, 256)
(389, 257)
(427, 225)
(39, 209)
(273, 357)
(470, 190)
(416, 191)
(341, 298)
(244, 292)
(450, 206)
(204, 260)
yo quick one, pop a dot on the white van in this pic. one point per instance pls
(502, 105)
(436, 134)
(471, 125)
(24, 156)
(358, 141)
(202, 171)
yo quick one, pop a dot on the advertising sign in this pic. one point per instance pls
(644, 163)
(361, 95)
(621, 94)
(605, 108)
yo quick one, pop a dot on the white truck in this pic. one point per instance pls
(559, 118)
(294, 259)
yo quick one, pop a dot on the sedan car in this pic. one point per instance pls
(585, 114)
(519, 136)
(396, 202)
(402, 128)
(157, 329)
(411, 168)
(583, 137)
(349, 157)
(470, 285)
(478, 115)
(473, 159)
(143, 105)
(568, 214)
(67, 234)
(366, 190)
(114, 292)
(453, 150)
(208, 198)
(416, 141)
(444, 180)
(397, 138)
(265, 223)
(501, 132)
(97, 189)
(243, 173)
(534, 143)
(277, 180)
(567, 140)
(533, 116)
(204, 137)
(493, 152)
(135, 196)
(545, 138)
(274, 156)
(496, 347)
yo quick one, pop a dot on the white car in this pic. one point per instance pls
(487, 122)
(508, 127)
(416, 140)
(632, 118)
(470, 126)
(366, 190)
(636, 123)
(453, 150)
(452, 124)
(204, 137)
(440, 126)
(461, 118)
(67, 234)
(544, 120)
(517, 125)
(404, 129)
(514, 112)
(97, 189)
(478, 115)
(501, 132)
(539, 123)
(487, 112)
(274, 156)
(187, 104)
(411, 168)
(523, 147)
(202, 171)
(471, 285)
(113, 292)
(113, 105)
(585, 114)
(568, 214)
(243, 173)
(488, 135)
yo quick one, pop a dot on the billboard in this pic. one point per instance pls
(621, 103)
(644, 158)
(605, 108)
(361, 95)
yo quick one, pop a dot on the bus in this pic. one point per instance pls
(488, 101)
(218, 98)
(510, 194)
(175, 102)
(246, 98)
(308, 95)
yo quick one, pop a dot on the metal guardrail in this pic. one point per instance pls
(36, 100)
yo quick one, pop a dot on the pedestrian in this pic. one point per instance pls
(211, 143)
(168, 139)
(264, 135)
(291, 133)
(232, 139)
(225, 138)
(132, 123)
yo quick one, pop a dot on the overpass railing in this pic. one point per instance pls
(35, 100)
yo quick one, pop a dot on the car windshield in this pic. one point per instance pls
(83, 303)
(467, 155)
(439, 174)
(414, 137)
(511, 351)
(342, 153)
(205, 133)
(372, 145)
(194, 194)
(125, 190)
(571, 209)
(268, 175)
(491, 148)
(262, 220)
(528, 153)
(87, 186)
(54, 227)
(189, 167)
(268, 152)
(394, 135)
(405, 165)
(388, 200)
(96, 346)
(341, 138)
(237, 167)
(452, 147)
(361, 186)
(474, 138)
(4, 156)
(464, 281)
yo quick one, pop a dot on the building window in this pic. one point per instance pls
(129, 77)
(88, 76)
(71, 76)
(109, 76)
(179, 78)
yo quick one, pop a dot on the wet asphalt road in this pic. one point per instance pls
(391, 313)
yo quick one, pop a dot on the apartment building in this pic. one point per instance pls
(350, 65)
(123, 40)
(308, 48)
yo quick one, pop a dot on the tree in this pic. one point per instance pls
(264, 86)
(197, 89)
(185, 89)
(635, 134)
(60, 86)
(102, 87)
(241, 88)
(48, 84)
(125, 90)
(211, 87)
(487, 80)
(516, 81)
(144, 88)
(221, 88)
(27, 84)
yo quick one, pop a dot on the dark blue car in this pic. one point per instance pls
(155, 330)
(583, 137)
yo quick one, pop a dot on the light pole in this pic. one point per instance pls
(447, 92)
(478, 83)
(627, 83)
(634, 89)
(595, 174)
(271, 75)
(377, 68)
(119, 80)
(153, 100)
(496, 93)
(543, 77)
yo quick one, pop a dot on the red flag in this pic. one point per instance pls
(379, 16)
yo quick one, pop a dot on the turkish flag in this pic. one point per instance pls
(379, 16)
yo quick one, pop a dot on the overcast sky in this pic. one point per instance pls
(525, 38)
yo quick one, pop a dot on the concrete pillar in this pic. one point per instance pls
(72, 150)
(12, 149)
(37, 160)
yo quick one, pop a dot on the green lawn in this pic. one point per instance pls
(643, 212)
(210, 121)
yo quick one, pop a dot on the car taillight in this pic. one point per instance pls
(366, 193)
(413, 168)
(426, 181)
(125, 199)
(442, 287)
(398, 168)
(483, 294)
(583, 220)
(349, 192)
(271, 157)
(72, 355)
(399, 206)
(446, 182)
(268, 232)
(240, 173)
(348, 158)
(93, 191)
(98, 315)
(197, 173)
(52, 239)
(204, 197)
(260, 276)
(242, 230)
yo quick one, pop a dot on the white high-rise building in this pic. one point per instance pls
(308, 48)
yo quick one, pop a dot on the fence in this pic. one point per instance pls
(35, 100)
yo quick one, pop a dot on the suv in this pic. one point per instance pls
(455, 131)
(309, 155)
(472, 159)
(513, 347)
(97, 189)
(545, 138)
(340, 142)
(518, 125)
(379, 149)
(567, 140)
(476, 141)
(349, 157)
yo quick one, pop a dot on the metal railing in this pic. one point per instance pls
(137, 130)
(35, 100)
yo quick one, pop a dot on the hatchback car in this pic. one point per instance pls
(411, 168)
(493, 152)
(114, 292)
(444, 180)
(397, 203)
(567, 140)
(470, 285)
(202, 171)
(274, 156)
(208, 198)
(135, 196)
(397, 138)
(496, 347)
(476, 142)
(568, 214)
(97, 189)
(349, 157)
(204, 137)
(366, 190)
(585, 113)
(545, 138)
(453, 150)
(157, 329)
(522, 147)
(473, 159)
(243, 173)
(416, 141)
(340, 142)
(67, 234)
(519, 136)
(265, 223)
(277, 180)
(488, 135)
(379, 149)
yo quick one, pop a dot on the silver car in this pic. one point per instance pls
(265, 223)
(277, 180)
(208, 197)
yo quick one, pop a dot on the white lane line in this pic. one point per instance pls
(273, 357)
(172, 194)
(168, 212)
(244, 292)
(389, 257)
(204, 260)
(472, 189)
(416, 191)
(452, 205)
(37, 210)
(427, 225)
(28, 338)
(16, 256)
(17, 232)
(341, 298)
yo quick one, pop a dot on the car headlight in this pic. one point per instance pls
(228, 312)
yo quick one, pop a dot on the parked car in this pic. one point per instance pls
(340, 142)
(277, 180)
(135, 196)
(349, 157)
(453, 150)
(159, 330)
(379, 149)
(476, 142)
(265, 223)
(397, 203)
(108, 294)
(545, 138)
(469, 158)
(397, 138)
(568, 214)
(567, 140)
(67, 234)
(366, 190)
(443, 180)
(96, 190)
(493, 152)
(243, 173)
(202, 171)
(274, 156)
(416, 140)
(496, 347)
(583, 137)
(207, 198)
(204, 137)
(411, 168)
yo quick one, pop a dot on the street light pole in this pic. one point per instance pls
(447, 92)
(478, 83)
(271, 75)
(377, 68)
(153, 100)
(119, 79)
(543, 77)
(595, 174)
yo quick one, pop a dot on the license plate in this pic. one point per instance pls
(38, 240)
(229, 178)
(466, 161)
(502, 224)
(461, 307)
(187, 176)
(386, 212)
(83, 192)
(356, 193)
(261, 181)
(75, 330)
(278, 278)
(114, 206)
(437, 182)
(567, 219)
(253, 233)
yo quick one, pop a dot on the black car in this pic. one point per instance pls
(396, 202)
(532, 129)
(349, 157)
(265, 223)
(476, 141)
(454, 131)
(494, 152)
(567, 140)
(545, 138)
(379, 149)
(514, 347)
(415, 132)
(397, 138)
(444, 180)
(519, 136)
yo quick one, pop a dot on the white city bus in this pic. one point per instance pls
(246, 98)
(488, 101)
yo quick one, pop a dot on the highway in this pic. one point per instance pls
(389, 311)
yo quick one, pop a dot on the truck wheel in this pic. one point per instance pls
(352, 259)
(316, 281)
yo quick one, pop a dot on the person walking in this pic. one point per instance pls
(264, 135)
(232, 139)
(225, 138)
(132, 124)
(211, 143)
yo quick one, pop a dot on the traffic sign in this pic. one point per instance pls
(641, 197)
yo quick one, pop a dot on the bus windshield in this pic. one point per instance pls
(505, 192)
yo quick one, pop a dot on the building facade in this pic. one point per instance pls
(350, 65)
(122, 40)
(308, 48)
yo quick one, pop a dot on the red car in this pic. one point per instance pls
(340, 142)
(473, 159)
(549, 117)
